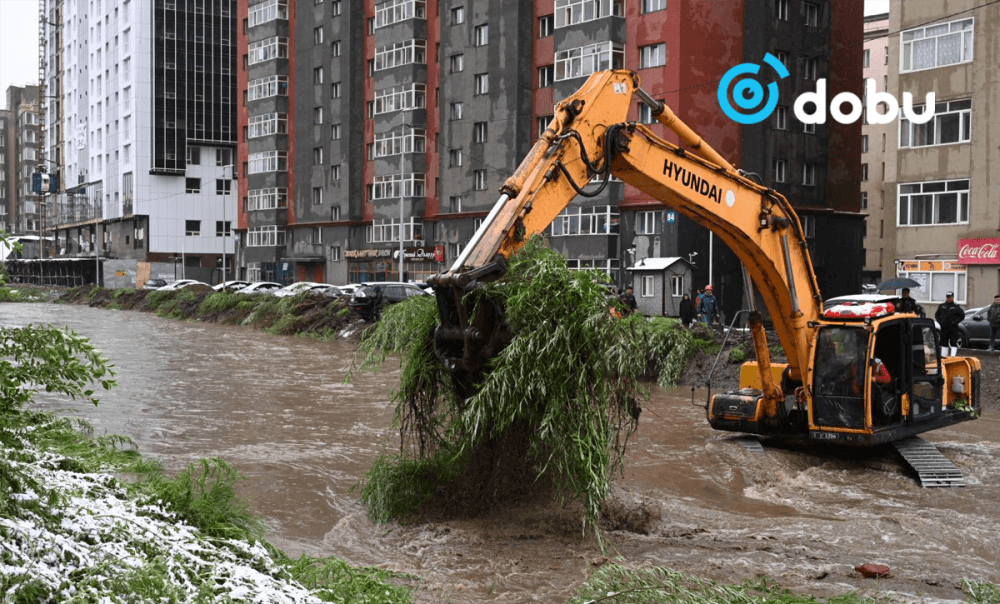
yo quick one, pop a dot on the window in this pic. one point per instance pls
(266, 199)
(809, 174)
(269, 10)
(318, 115)
(335, 253)
(456, 111)
(935, 202)
(571, 12)
(781, 9)
(400, 98)
(864, 172)
(583, 61)
(267, 87)
(400, 53)
(482, 35)
(335, 90)
(457, 15)
(317, 235)
(267, 124)
(649, 6)
(455, 204)
(781, 118)
(654, 55)
(477, 224)
(782, 57)
(335, 213)
(648, 286)
(778, 170)
(223, 186)
(811, 66)
(593, 220)
(265, 236)
(192, 185)
(457, 63)
(388, 230)
(886, 55)
(479, 180)
(546, 24)
(482, 83)
(936, 45)
(335, 48)
(317, 156)
(317, 196)
(864, 143)
(223, 229)
(192, 228)
(677, 285)
(318, 35)
(543, 123)
(866, 61)
(394, 11)
(394, 142)
(480, 132)
(546, 74)
(267, 161)
(809, 226)
(864, 200)
(335, 172)
(224, 157)
(647, 223)
(952, 123)
(387, 187)
(454, 158)
(266, 50)
(193, 156)
(812, 14)
(809, 128)
(318, 75)
(646, 114)
(335, 132)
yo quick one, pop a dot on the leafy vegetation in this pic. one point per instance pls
(560, 401)
(21, 294)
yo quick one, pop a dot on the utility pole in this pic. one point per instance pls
(402, 193)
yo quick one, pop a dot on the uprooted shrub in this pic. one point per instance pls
(559, 402)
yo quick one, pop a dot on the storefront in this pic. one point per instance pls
(383, 264)
(937, 278)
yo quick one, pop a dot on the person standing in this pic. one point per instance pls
(906, 303)
(687, 310)
(993, 316)
(708, 308)
(949, 315)
(629, 299)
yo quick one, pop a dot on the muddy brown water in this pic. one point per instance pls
(277, 408)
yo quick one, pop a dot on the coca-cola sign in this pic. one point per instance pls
(979, 251)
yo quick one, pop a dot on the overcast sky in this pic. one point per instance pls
(19, 40)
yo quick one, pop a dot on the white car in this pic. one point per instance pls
(308, 286)
(181, 284)
(261, 287)
(230, 286)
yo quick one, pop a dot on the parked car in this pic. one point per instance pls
(230, 286)
(154, 283)
(350, 288)
(974, 330)
(368, 304)
(308, 286)
(261, 287)
(180, 284)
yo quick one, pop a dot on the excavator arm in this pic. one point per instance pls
(589, 137)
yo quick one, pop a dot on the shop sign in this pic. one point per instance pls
(367, 254)
(932, 266)
(425, 253)
(979, 251)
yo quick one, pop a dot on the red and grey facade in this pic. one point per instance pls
(431, 105)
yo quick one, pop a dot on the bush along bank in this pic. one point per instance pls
(91, 520)
(314, 316)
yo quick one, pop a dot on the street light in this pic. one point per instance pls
(227, 176)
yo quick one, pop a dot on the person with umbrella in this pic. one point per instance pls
(907, 304)
(949, 315)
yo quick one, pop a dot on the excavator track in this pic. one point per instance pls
(932, 467)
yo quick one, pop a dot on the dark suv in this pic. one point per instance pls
(369, 299)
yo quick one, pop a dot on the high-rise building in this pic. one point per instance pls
(942, 210)
(141, 124)
(874, 142)
(21, 155)
(366, 123)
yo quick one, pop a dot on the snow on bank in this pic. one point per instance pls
(93, 540)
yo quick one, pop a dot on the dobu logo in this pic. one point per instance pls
(748, 93)
(810, 107)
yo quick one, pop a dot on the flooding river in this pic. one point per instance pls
(277, 408)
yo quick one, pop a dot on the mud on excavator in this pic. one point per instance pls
(832, 388)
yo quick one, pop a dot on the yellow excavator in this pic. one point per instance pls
(834, 386)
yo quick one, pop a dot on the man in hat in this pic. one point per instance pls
(949, 315)
(906, 303)
(708, 308)
(993, 316)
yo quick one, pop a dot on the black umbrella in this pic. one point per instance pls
(897, 283)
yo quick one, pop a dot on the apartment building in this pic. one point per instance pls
(19, 148)
(453, 94)
(942, 209)
(874, 143)
(141, 122)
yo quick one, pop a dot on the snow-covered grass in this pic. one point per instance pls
(103, 525)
